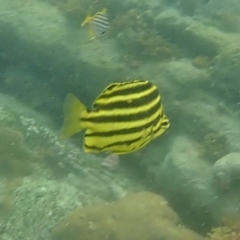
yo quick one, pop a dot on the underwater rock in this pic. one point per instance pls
(14, 156)
(216, 5)
(174, 70)
(225, 73)
(226, 172)
(199, 190)
(193, 36)
(61, 176)
(223, 14)
(187, 7)
(56, 54)
(201, 62)
(141, 216)
(208, 105)
(185, 179)
(228, 231)
(140, 41)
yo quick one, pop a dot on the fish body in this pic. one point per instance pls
(125, 117)
(98, 24)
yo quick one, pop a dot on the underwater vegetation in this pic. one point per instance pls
(141, 216)
(230, 231)
(133, 29)
(14, 160)
(191, 6)
(226, 21)
(136, 36)
(77, 10)
(214, 146)
(188, 7)
(201, 62)
(48, 158)
(14, 165)
(210, 143)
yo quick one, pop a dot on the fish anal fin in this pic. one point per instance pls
(91, 33)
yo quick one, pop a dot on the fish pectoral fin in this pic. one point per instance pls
(73, 110)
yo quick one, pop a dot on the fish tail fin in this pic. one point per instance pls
(73, 110)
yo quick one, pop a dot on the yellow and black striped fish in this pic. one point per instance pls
(125, 117)
(98, 24)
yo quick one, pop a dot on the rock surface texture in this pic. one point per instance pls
(141, 216)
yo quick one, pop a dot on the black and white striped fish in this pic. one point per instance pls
(98, 24)
(125, 117)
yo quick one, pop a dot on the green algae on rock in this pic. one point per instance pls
(141, 216)
(14, 160)
(39, 199)
(228, 231)
(137, 37)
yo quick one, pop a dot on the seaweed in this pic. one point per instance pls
(136, 36)
(14, 160)
(77, 10)
(230, 231)
(14, 165)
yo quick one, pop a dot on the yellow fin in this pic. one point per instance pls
(86, 20)
(103, 11)
(73, 110)
(91, 33)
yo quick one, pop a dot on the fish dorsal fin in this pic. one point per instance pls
(102, 12)
(89, 18)
(113, 88)
(106, 91)
(86, 20)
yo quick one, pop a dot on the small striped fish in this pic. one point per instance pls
(98, 24)
(125, 117)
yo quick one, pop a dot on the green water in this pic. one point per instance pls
(182, 185)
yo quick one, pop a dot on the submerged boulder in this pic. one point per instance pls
(141, 216)
(226, 172)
